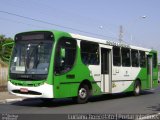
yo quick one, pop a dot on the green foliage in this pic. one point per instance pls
(5, 48)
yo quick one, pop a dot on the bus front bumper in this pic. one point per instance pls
(42, 91)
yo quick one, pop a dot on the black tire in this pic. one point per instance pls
(137, 88)
(83, 94)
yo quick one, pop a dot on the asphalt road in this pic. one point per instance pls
(147, 103)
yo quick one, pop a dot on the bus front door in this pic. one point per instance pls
(105, 70)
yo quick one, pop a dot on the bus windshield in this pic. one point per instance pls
(31, 58)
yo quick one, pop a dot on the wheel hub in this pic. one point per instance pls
(137, 89)
(82, 93)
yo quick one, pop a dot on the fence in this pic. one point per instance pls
(3, 76)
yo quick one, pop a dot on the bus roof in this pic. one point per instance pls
(92, 39)
(102, 41)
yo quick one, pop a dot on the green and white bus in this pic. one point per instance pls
(55, 64)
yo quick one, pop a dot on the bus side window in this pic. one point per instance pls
(125, 57)
(154, 60)
(135, 58)
(65, 55)
(142, 57)
(89, 53)
(116, 56)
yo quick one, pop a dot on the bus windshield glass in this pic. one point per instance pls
(31, 57)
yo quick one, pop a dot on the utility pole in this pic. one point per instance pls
(120, 34)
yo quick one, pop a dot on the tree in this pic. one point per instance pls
(2, 39)
(5, 53)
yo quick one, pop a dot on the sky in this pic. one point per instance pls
(139, 19)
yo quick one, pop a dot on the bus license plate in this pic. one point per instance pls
(24, 90)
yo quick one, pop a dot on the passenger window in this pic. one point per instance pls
(154, 60)
(65, 55)
(135, 58)
(142, 57)
(116, 56)
(89, 53)
(125, 57)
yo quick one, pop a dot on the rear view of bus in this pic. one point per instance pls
(29, 65)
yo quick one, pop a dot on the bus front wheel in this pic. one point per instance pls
(83, 94)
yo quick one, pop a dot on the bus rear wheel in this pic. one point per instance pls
(83, 94)
(137, 88)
